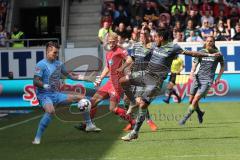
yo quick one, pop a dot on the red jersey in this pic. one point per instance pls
(114, 60)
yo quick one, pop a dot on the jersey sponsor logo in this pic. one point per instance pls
(110, 62)
(112, 94)
(212, 59)
(37, 70)
(161, 53)
(139, 54)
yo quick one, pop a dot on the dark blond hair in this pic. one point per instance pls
(52, 44)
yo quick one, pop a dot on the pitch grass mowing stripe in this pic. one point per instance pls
(216, 139)
(19, 123)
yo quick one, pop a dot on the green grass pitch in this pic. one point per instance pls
(218, 138)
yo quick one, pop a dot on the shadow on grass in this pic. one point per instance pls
(61, 140)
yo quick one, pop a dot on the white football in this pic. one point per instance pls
(84, 105)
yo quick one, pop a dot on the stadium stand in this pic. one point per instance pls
(3, 11)
(222, 16)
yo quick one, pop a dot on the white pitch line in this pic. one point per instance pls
(19, 123)
(205, 155)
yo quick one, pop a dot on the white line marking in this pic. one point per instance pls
(204, 155)
(19, 123)
(148, 158)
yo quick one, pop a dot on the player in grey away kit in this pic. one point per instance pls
(138, 58)
(204, 78)
(162, 56)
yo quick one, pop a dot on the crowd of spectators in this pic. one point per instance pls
(3, 12)
(186, 20)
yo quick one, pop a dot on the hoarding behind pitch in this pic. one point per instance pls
(20, 93)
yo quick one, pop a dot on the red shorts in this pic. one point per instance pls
(114, 92)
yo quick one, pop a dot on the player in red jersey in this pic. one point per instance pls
(112, 89)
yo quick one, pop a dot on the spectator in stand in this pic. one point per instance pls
(209, 18)
(176, 28)
(122, 31)
(106, 18)
(193, 37)
(206, 30)
(177, 17)
(179, 37)
(162, 25)
(3, 12)
(149, 12)
(149, 9)
(220, 6)
(122, 42)
(165, 5)
(16, 36)
(137, 9)
(135, 34)
(220, 32)
(121, 15)
(108, 6)
(3, 36)
(233, 3)
(137, 21)
(194, 17)
(221, 17)
(190, 28)
(152, 29)
(235, 32)
(191, 5)
(144, 25)
(154, 4)
(233, 18)
(180, 7)
(205, 7)
(103, 32)
(165, 18)
(124, 3)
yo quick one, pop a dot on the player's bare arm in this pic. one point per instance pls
(100, 78)
(126, 64)
(193, 69)
(200, 54)
(37, 81)
(220, 72)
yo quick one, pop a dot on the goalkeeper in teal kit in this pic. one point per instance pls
(47, 76)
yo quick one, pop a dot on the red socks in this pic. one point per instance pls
(122, 113)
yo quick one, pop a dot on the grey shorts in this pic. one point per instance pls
(147, 85)
(137, 90)
(137, 83)
(136, 78)
(200, 87)
(152, 87)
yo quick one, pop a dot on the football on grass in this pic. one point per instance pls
(84, 105)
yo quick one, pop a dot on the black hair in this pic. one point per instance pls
(163, 33)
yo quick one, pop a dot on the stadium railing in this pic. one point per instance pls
(30, 42)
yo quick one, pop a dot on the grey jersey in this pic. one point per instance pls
(208, 66)
(162, 57)
(141, 56)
